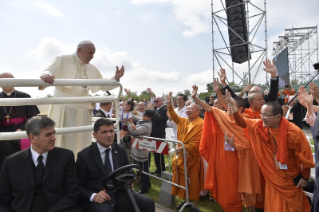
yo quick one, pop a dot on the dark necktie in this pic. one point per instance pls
(108, 168)
(107, 162)
(40, 167)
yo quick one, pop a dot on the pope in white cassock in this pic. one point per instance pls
(75, 66)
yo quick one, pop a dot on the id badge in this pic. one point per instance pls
(227, 147)
(278, 165)
(291, 116)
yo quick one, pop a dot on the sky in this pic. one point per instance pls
(163, 44)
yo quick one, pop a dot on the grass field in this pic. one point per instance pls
(205, 205)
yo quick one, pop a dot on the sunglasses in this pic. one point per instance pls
(155, 101)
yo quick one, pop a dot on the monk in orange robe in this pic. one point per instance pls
(283, 155)
(223, 178)
(189, 132)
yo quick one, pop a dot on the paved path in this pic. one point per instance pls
(161, 208)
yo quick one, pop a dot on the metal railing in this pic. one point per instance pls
(187, 180)
(8, 82)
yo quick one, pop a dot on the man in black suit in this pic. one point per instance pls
(104, 111)
(158, 131)
(295, 112)
(95, 163)
(41, 178)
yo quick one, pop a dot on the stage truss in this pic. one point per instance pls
(303, 52)
(251, 70)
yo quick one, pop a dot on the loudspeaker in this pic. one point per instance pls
(236, 20)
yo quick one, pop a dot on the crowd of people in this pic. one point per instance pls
(247, 152)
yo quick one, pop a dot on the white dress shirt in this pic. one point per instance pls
(102, 154)
(107, 114)
(35, 156)
(170, 123)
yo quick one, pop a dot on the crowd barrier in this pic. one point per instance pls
(161, 146)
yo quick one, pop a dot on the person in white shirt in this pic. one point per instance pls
(75, 66)
(180, 111)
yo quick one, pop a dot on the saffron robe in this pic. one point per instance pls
(230, 177)
(190, 133)
(281, 193)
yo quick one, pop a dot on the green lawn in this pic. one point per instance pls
(205, 204)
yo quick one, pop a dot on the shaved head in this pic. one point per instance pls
(256, 89)
(192, 111)
(6, 75)
(195, 106)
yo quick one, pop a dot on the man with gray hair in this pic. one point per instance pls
(75, 66)
(42, 177)
(273, 88)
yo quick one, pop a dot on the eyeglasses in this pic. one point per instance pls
(155, 101)
(267, 115)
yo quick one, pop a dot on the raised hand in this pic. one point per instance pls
(169, 98)
(215, 85)
(222, 76)
(149, 90)
(128, 91)
(229, 99)
(270, 68)
(285, 109)
(305, 96)
(247, 88)
(119, 73)
(194, 92)
(314, 91)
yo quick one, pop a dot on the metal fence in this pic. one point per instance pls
(161, 146)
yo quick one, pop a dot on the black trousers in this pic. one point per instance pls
(145, 179)
(124, 204)
(159, 162)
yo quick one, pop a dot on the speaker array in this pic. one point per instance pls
(236, 19)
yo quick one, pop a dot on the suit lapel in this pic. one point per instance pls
(115, 157)
(97, 157)
(103, 114)
(27, 165)
(50, 163)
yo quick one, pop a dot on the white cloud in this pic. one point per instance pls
(195, 16)
(49, 9)
(148, 16)
(47, 49)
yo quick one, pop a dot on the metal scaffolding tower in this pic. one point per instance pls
(302, 46)
(256, 19)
